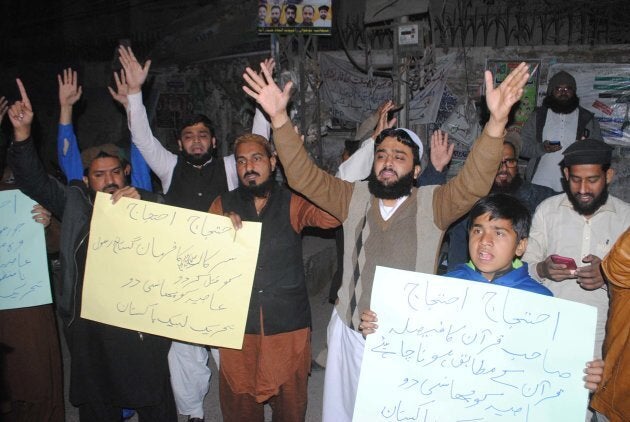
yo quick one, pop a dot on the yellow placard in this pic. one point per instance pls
(169, 271)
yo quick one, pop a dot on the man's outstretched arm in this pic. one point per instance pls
(27, 167)
(161, 161)
(68, 153)
(474, 181)
(324, 190)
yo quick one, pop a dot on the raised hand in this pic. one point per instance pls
(69, 93)
(383, 123)
(21, 115)
(501, 99)
(69, 90)
(4, 106)
(135, 73)
(122, 89)
(269, 64)
(441, 150)
(268, 95)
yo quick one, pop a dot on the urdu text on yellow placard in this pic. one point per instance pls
(169, 271)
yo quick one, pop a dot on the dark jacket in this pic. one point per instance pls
(518, 278)
(528, 193)
(71, 204)
(279, 288)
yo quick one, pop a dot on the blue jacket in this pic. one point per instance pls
(518, 278)
(72, 167)
(528, 193)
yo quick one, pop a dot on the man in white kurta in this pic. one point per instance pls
(583, 223)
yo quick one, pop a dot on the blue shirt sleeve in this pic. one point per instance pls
(70, 161)
(140, 175)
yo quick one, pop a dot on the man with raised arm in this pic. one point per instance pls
(386, 220)
(111, 367)
(68, 153)
(191, 179)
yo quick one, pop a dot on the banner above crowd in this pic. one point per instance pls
(352, 95)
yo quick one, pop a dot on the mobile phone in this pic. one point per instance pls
(554, 143)
(391, 113)
(569, 262)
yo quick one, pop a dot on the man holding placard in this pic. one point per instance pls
(191, 179)
(111, 367)
(275, 360)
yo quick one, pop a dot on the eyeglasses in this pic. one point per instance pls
(563, 89)
(509, 163)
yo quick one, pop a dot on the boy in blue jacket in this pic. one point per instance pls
(497, 237)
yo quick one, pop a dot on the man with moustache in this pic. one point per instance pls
(275, 360)
(508, 181)
(111, 368)
(552, 128)
(386, 220)
(583, 223)
(290, 12)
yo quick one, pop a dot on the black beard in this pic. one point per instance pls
(508, 188)
(257, 191)
(581, 208)
(197, 159)
(402, 187)
(561, 106)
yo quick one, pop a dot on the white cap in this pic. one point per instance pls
(416, 139)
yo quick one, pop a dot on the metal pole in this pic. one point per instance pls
(301, 72)
(318, 119)
(403, 115)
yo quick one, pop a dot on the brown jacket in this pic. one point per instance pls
(613, 396)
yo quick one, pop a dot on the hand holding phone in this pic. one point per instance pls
(552, 146)
(569, 262)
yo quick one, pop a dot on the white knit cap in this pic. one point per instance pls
(416, 139)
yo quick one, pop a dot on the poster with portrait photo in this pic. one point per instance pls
(311, 17)
(501, 68)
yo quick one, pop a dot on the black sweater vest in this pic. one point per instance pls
(279, 288)
(196, 188)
